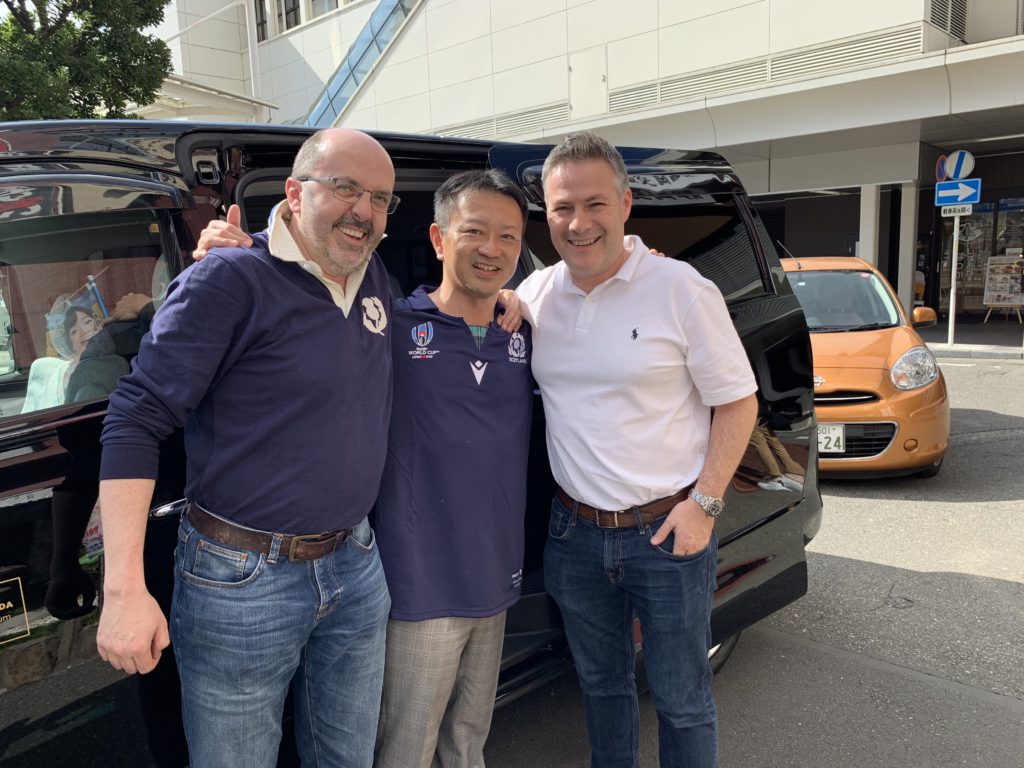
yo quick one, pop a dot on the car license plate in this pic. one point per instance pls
(831, 438)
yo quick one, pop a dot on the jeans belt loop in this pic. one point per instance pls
(640, 526)
(275, 548)
(575, 510)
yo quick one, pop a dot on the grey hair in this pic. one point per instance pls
(447, 196)
(586, 145)
(309, 155)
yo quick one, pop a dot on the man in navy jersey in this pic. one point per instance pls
(449, 517)
(276, 360)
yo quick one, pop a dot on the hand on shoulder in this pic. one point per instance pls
(222, 234)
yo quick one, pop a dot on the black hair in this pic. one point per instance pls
(490, 180)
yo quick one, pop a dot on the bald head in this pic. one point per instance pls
(336, 176)
(337, 142)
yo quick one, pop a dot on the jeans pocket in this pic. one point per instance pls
(560, 521)
(362, 538)
(665, 549)
(207, 563)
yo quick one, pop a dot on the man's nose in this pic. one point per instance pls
(490, 246)
(362, 207)
(579, 221)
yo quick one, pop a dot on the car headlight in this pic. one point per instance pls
(915, 368)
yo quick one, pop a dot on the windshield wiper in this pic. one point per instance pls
(826, 329)
(872, 326)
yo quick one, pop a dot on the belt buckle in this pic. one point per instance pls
(306, 538)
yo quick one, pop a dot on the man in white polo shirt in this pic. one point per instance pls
(632, 352)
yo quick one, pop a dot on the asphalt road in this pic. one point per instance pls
(908, 649)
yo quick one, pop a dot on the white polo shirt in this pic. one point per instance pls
(628, 374)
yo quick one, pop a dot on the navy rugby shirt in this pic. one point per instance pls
(449, 517)
(284, 400)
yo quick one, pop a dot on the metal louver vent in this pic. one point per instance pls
(715, 81)
(635, 97)
(951, 17)
(531, 120)
(510, 124)
(849, 53)
(484, 129)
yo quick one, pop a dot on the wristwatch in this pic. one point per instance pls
(711, 505)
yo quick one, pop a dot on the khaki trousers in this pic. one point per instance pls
(440, 676)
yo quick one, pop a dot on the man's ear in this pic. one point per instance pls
(437, 240)
(293, 194)
(627, 203)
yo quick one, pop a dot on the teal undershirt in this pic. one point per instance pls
(479, 332)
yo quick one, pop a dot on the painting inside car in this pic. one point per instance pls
(99, 216)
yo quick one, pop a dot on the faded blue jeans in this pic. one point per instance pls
(600, 578)
(243, 627)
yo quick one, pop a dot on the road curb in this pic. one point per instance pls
(975, 351)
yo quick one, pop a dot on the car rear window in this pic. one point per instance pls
(711, 237)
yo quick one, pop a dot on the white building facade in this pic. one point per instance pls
(833, 113)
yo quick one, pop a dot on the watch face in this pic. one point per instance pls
(712, 507)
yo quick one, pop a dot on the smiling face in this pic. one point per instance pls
(80, 330)
(480, 244)
(587, 212)
(340, 236)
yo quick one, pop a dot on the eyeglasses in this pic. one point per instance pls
(347, 192)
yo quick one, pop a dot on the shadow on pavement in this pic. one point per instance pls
(100, 730)
(997, 477)
(880, 667)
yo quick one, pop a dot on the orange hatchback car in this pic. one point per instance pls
(879, 395)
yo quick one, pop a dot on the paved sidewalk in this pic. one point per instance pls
(999, 338)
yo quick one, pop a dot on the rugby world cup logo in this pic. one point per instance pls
(422, 334)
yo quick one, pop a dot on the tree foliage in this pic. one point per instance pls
(79, 58)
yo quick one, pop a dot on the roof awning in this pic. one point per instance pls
(182, 99)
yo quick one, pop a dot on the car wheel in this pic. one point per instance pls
(932, 469)
(717, 655)
(720, 653)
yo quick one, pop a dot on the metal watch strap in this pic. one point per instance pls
(711, 505)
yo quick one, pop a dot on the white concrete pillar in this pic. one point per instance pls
(908, 245)
(867, 249)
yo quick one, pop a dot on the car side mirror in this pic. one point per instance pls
(924, 317)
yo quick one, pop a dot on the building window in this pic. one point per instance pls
(320, 7)
(288, 15)
(261, 20)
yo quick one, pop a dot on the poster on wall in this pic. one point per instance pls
(1004, 280)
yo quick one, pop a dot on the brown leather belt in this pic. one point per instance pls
(295, 547)
(623, 518)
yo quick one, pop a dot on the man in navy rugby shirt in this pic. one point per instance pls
(276, 359)
(449, 517)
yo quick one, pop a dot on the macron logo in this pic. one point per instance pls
(478, 370)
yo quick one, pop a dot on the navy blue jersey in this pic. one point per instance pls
(284, 400)
(449, 517)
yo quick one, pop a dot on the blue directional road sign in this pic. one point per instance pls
(959, 164)
(959, 192)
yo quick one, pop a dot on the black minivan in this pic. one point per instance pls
(97, 216)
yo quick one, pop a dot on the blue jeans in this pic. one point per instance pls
(601, 578)
(244, 624)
